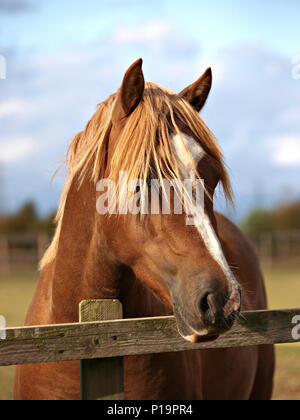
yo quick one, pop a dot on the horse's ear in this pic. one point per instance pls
(197, 93)
(132, 89)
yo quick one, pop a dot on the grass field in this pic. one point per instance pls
(283, 286)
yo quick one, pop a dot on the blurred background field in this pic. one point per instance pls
(282, 280)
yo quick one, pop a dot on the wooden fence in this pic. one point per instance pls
(277, 246)
(101, 339)
(22, 250)
(25, 250)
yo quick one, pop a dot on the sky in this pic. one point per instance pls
(64, 57)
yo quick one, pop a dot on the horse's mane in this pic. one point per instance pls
(144, 149)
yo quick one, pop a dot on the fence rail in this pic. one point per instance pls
(101, 344)
(125, 337)
(18, 250)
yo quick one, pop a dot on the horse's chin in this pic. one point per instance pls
(191, 334)
(195, 338)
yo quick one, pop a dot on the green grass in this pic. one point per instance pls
(16, 291)
(287, 375)
(283, 287)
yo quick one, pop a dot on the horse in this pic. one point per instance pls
(204, 272)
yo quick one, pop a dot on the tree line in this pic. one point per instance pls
(27, 220)
(283, 218)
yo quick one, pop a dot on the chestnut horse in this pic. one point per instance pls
(156, 264)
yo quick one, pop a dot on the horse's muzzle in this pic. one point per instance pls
(211, 315)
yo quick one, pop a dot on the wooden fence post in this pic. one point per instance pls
(101, 379)
(266, 249)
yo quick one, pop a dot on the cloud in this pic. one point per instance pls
(11, 108)
(253, 110)
(291, 115)
(171, 58)
(286, 150)
(14, 6)
(13, 151)
(151, 32)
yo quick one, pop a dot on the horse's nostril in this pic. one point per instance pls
(204, 305)
(207, 307)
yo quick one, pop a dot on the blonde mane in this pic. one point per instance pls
(144, 148)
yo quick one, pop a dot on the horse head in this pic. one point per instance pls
(155, 133)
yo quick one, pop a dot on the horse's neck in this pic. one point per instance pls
(80, 269)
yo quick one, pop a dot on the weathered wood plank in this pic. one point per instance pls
(101, 379)
(137, 336)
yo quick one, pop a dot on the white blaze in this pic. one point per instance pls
(201, 220)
